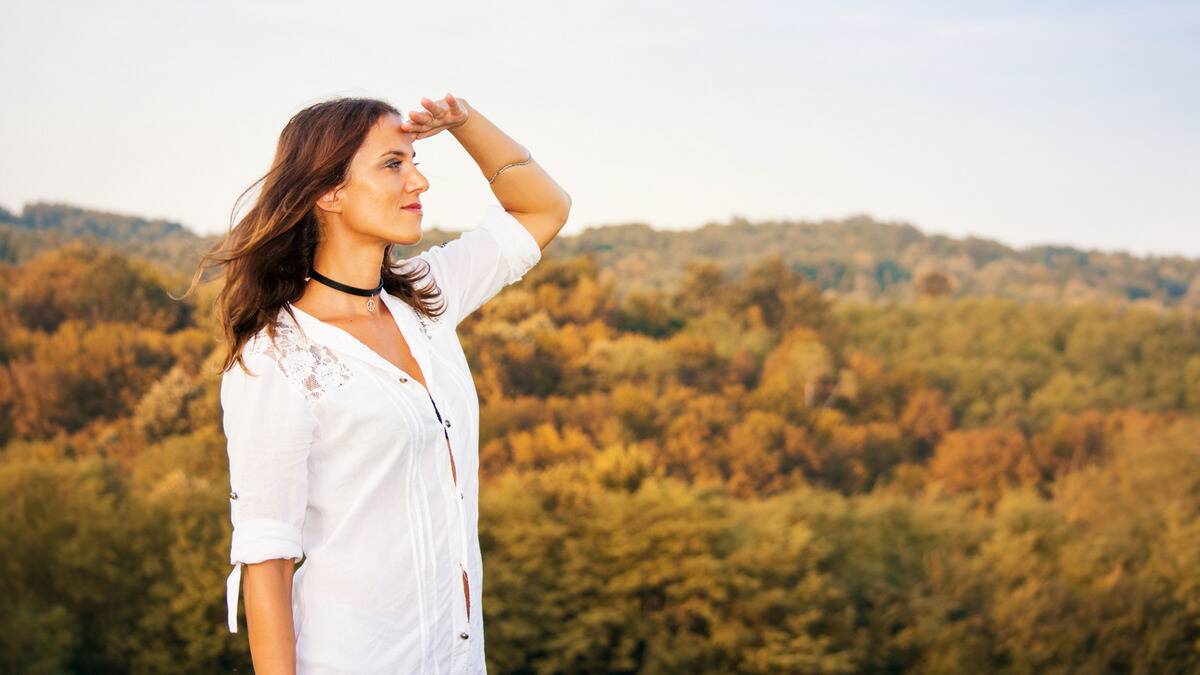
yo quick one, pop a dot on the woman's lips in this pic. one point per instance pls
(413, 207)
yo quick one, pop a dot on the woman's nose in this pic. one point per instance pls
(421, 183)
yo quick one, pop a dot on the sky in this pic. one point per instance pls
(1073, 123)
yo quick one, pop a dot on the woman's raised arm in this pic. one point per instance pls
(525, 189)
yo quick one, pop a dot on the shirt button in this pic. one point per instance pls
(233, 495)
(403, 379)
(463, 636)
(447, 422)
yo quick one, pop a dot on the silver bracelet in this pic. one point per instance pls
(509, 166)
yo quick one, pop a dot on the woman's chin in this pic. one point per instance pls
(410, 235)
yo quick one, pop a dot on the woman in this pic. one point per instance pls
(352, 417)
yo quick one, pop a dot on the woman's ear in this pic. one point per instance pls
(331, 201)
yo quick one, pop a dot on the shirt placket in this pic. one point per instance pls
(460, 512)
(452, 490)
(459, 509)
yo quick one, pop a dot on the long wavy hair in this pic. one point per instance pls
(266, 255)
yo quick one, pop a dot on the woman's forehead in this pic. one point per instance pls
(387, 134)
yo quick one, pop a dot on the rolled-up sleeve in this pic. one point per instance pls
(269, 428)
(477, 265)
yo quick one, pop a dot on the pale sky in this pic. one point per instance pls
(1051, 122)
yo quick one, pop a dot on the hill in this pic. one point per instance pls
(856, 257)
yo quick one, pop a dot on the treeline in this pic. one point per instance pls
(735, 474)
(856, 257)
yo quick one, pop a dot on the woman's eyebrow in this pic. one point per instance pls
(402, 153)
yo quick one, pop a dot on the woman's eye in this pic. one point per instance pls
(398, 162)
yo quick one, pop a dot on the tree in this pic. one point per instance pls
(987, 462)
(933, 284)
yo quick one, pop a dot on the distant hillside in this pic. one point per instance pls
(856, 257)
(44, 226)
(864, 258)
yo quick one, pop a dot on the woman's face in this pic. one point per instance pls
(382, 179)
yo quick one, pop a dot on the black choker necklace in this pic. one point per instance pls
(366, 292)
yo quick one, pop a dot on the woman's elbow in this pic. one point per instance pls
(564, 209)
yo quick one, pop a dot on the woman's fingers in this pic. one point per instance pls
(435, 108)
(420, 121)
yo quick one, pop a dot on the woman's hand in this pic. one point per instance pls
(448, 113)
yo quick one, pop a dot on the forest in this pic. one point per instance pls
(788, 456)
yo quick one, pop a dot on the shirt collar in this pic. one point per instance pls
(339, 339)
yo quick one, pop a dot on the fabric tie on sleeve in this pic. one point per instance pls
(232, 587)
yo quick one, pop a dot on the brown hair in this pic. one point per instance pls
(269, 252)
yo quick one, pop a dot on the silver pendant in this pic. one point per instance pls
(371, 304)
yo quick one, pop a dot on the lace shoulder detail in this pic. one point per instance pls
(313, 367)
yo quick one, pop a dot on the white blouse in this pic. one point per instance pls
(339, 457)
